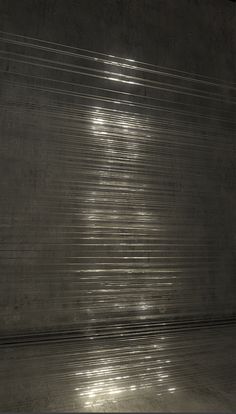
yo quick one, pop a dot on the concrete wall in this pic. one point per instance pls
(137, 227)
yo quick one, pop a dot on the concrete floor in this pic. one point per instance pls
(192, 371)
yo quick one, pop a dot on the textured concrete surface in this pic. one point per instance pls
(117, 205)
(188, 192)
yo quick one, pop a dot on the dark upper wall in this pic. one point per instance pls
(191, 35)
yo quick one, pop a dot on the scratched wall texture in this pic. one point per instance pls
(117, 163)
